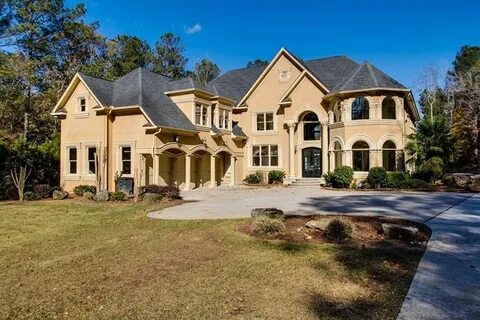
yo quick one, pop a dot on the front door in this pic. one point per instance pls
(311, 163)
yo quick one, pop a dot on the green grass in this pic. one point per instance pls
(66, 259)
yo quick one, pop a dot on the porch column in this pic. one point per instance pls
(232, 170)
(188, 172)
(155, 159)
(324, 147)
(213, 181)
(291, 149)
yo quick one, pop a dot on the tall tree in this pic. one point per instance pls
(169, 59)
(126, 53)
(205, 71)
(257, 63)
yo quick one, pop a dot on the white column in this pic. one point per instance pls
(156, 167)
(291, 149)
(213, 181)
(188, 172)
(324, 147)
(232, 170)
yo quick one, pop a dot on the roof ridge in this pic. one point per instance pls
(83, 74)
(140, 84)
(372, 74)
(350, 79)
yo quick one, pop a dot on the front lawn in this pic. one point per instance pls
(68, 259)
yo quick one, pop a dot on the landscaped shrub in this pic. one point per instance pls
(430, 170)
(276, 177)
(338, 229)
(29, 196)
(81, 189)
(252, 179)
(152, 197)
(341, 177)
(377, 177)
(416, 183)
(266, 226)
(102, 195)
(42, 191)
(88, 195)
(328, 178)
(397, 180)
(169, 192)
(117, 196)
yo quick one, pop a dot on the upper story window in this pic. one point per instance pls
(284, 75)
(72, 160)
(388, 108)
(264, 121)
(201, 115)
(82, 104)
(311, 127)
(360, 109)
(337, 112)
(224, 119)
(126, 158)
(91, 161)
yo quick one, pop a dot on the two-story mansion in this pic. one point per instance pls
(302, 117)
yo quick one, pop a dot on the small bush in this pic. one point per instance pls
(152, 197)
(328, 178)
(430, 170)
(416, 183)
(29, 196)
(276, 177)
(117, 196)
(252, 179)
(342, 177)
(338, 229)
(81, 189)
(42, 191)
(265, 226)
(377, 177)
(169, 192)
(102, 195)
(397, 180)
(88, 195)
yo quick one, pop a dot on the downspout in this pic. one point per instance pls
(106, 166)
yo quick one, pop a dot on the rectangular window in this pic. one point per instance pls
(224, 119)
(264, 121)
(82, 104)
(91, 153)
(201, 115)
(265, 156)
(126, 154)
(72, 160)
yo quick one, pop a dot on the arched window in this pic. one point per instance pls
(389, 155)
(337, 153)
(361, 156)
(311, 127)
(360, 109)
(337, 112)
(388, 108)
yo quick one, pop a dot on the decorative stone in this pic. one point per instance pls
(59, 195)
(267, 212)
(462, 180)
(102, 195)
(475, 186)
(317, 224)
(397, 231)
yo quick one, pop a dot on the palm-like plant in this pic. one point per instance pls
(430, 148)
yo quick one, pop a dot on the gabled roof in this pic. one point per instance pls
(367, 76)
(102, 88)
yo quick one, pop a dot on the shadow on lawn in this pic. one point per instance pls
(287, 246)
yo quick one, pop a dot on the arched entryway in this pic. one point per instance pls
(311, 162)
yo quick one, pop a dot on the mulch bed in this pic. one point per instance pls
(365, 231)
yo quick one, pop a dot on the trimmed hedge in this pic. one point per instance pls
(42, 191)
(341, 177)
(165, 191)
(118, 196)
(377, 177)
(339, 229)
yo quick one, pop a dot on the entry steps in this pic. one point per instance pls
(308, 182)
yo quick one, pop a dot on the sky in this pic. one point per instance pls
(402, 38)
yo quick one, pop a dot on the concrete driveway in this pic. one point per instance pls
(227, 203)
(447, 282)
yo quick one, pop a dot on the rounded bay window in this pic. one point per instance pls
(360, 109)
(388, 108)
(389, 155)
(361, 156)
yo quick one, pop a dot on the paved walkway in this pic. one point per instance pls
(447, 282)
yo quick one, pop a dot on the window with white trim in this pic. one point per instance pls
(72, 160)
(126, 159)
(265, 155)
(264, 121)
(91, 153)
(224, 119)
(201, 115)
(82, 104)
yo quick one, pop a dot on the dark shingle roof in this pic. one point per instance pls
(237, 131)
(101, 88)
(332, 70)
(367, 76)
(234, 84)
